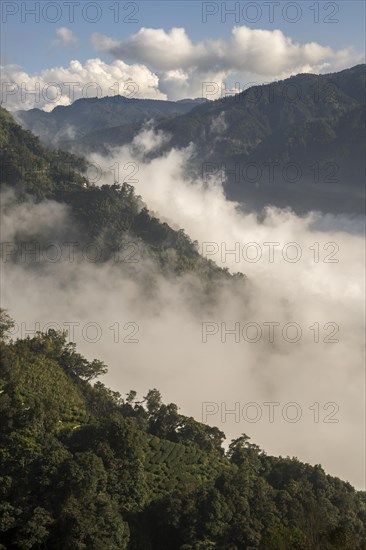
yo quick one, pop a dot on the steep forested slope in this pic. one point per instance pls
(84, 468)
(107, 216)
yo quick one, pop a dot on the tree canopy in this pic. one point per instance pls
(84, 468)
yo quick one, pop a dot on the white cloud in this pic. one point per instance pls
(168, 65)
(63, 85)
(65, 37)
(182, 65)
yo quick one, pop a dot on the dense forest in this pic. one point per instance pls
(106, 215)
(83, 467)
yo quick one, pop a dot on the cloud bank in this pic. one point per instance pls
(64, 85)
(169, 65)
(182, 65)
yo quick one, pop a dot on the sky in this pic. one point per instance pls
(167, 48)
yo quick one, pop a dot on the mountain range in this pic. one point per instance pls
(88, 115)
(296, 143)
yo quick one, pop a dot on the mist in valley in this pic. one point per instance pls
(278, 356)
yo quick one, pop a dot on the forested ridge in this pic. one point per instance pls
(106, 215)
(83, 467)
(91, 115)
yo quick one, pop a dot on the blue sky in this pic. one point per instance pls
(34, 45)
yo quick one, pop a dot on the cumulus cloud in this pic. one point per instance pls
(319, 376)
(182, 65)
(63, 85)
(65, 37)
(168, 65)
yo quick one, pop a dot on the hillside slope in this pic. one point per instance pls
(83, 467)
(107, 216)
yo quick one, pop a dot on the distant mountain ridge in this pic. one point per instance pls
(88, 115)
(299, 142)
(275, 141)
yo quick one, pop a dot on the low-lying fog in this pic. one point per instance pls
(284, 353)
